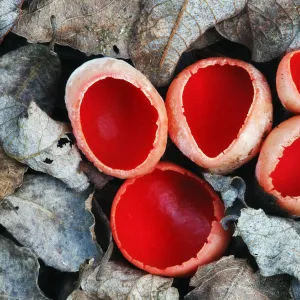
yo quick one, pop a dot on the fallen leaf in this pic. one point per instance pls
(10, 11)
(273, 241)
(19, 269)
(52, 221)
(295, 289)
(28, 82)
(122, 282)
(295, 45)
(11, 174)
(231, 278)
(266, 27)
(113, 280)
(230, 188)
(93, 27)
(98, 178)
(165, 29)
(79, 295)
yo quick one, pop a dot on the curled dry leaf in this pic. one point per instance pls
(95, 176)
(166, 29)
(27, 133)
(52, 221)
(9, 13)
(266, 27)
(273, 241)
(18, 272)
(232, 190)
(93, 27)
(119, 281)
(231, 278)
(11, 174)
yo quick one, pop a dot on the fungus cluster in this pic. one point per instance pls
(218, 111)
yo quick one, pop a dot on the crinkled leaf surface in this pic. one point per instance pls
(232, 191)
(28, 81)
(118, 281)
(19, 270)
(93, 27)
(9, 13)
(11, 174)
(273, 241)
(166, 28)
(231, 278)
(52, 221)
(266, 27)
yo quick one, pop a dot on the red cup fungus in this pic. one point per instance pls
(288, 81)
(167, 222)
(219, 111)
(278, 165)
(118, 118)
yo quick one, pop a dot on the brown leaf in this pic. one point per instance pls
(27, 133)
(166, 29)
(266, 27)
(93, 27)
(231, 278)
(11, 174)
(119, 281)
(53, 221)
(95, 176)
(9, 13)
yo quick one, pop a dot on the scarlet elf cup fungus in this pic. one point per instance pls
(167, 222)
(278, 165)
(288, 81)
(219, 111)
(118, 118)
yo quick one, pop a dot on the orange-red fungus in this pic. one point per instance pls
(167, 222)
(288, 81)
(219, 110)
(278, 165)
(118, 118)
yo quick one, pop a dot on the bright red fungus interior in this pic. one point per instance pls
(216, 101)
(295, 69)
(118, 122)
(164, 218)
(285, 177)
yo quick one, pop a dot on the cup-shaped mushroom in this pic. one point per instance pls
(288, 81)
(219, 110)
(277, 169)
(119, 120)
(167, 222)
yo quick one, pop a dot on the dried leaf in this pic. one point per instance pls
(79, 295)
(10, 11)
(295, 45)
(11, 174)
(122, 282)
(231, 278)
(230, 188)
(93, 27)
(28, 81)
(52, 221)
(166, 29)
(295, 289)
(266, 27)
(95, 176)
(19, 270)
(273, 241)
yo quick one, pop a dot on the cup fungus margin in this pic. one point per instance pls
(287, 90)
(215, 245)
(280, 138)
(95, 70)
(256, 126)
